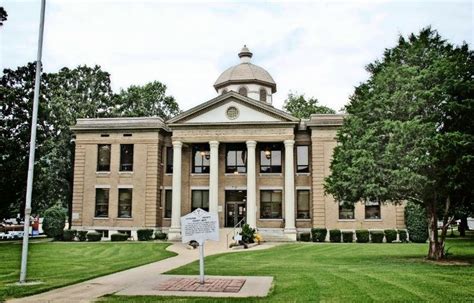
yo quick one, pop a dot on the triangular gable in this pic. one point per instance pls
(248, 110)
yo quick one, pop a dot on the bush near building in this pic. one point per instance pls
(376, 236)
(94, 236)
(335, 235)
(319, 234)
(118, 237)
(390, 235)
(82, 235)
(159, 235)
(144, 234)
(347, 236)
(305, 237)
(415, 220)
(69, 234)
(402, 235)
(54, 222)
(362, 236)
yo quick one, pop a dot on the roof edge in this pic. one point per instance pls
(88, 124)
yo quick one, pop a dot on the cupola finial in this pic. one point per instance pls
(245, 54)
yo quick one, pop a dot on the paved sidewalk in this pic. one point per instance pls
(128, 279)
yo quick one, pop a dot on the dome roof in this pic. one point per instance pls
(245, 72)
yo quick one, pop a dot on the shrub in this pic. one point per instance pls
(159, 235)
(335, 235)
(376, 236)
(81, 235)
(390, 235)
(144, 234)
(54, 221)
(94, 236)
(319, 234)
(347, 236)
(415, 219)
(305, 237)
(69, 234)
(247, 233)
(402, 234)
(118, 237)
(362, 236)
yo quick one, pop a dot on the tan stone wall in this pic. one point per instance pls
(144, 179)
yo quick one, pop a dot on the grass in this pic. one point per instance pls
(343, 272)
(57, 264)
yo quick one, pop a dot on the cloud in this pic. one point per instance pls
(315, 48)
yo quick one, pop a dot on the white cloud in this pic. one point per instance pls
(315, 48)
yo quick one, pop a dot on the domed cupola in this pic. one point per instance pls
(247, 79)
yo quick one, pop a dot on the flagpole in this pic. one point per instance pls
(31, 163)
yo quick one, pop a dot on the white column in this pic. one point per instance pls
(251, 185)
(290, 229)
(175, 229)
(214, 177)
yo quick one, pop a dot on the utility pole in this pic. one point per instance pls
(31, 163)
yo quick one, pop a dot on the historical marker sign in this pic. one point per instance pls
(200, 226)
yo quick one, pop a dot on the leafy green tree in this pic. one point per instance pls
(149, 100)
(297, 105)
(3, 15)
(409, 133)
(54, 221)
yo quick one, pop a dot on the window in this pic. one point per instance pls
(125, 203)
(302, 204)
(270, 204)
(126, 157)
(101, 202)
(270, 158)
(302, 159)
(103, 157)
(372, 210)
(236, 158)
(243, 91)
(224, 91)
(201, 156)
(346, 210)
(200, 199)
(168, 203)
(169, 160)
(263, 95)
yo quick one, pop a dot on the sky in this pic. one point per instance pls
(318, 48)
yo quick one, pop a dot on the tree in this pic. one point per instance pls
(297, 105)
(149, 100)
(54, 221)
(3, 15)
(409, 134)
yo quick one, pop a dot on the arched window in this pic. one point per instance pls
(263, 95)
(243, 91)
(224, 91)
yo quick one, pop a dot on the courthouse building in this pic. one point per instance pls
(235, 155)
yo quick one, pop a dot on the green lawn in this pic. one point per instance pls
(59, 263)
(344, 272)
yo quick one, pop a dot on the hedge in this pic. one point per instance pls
(347, 236)
(390, 235)
(402, 234)
(118, 237)
(319, 234)
(417, 225)
(69, 234)
(376, 236)
(94, 236)
(82, 235)
(335, 235)
(305, 237)
(159, 235)
(54, 221)
(362, 236)
(144, 234)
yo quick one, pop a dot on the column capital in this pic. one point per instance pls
(177, 144)
(251, 144)
(289, 143)
(213, 144)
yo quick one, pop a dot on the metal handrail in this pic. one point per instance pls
(238, 225)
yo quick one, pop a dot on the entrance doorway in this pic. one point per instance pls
(235, 206)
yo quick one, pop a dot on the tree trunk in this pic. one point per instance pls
(435, 252)
(463, 226)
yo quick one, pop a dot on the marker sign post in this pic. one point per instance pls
(200, 226)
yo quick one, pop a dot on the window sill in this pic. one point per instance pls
(236, 175)
(101, 218)
(346, 220)
(373, 220)
(167, 219)
(270, 174)
(168, 174)
(125, 219)
(279, 220)
(125, 173)
(303, 220)
(199, 175)
(102, 173)
(303, 174)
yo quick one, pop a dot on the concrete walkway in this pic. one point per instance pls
(128, 279)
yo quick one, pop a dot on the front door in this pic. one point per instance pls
(235, 207)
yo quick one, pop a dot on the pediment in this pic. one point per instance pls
(232, 108)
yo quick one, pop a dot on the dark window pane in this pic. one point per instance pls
(236, 158)
(169, 160)
(103, 157)
(168, 203)
(271, 204)
(302, 159)
(263, 95)
(243, 91)
(270, 158)
(302, 204)
(101, 202)
(346, 210)
(200, 199)
(201, 158)
(126, 157)
(125, 203)
(372, 210)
